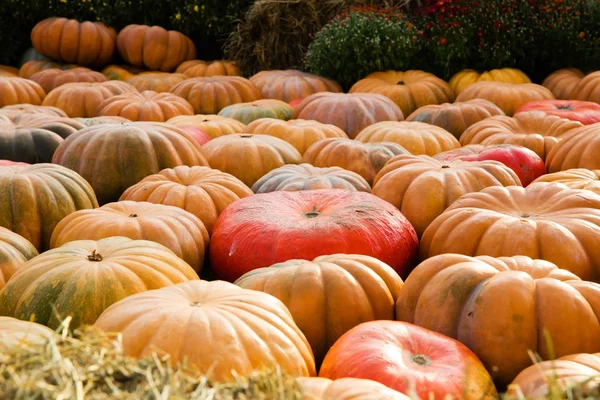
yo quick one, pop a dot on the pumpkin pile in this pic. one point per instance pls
(412, 237)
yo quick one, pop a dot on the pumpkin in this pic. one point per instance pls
(415, 137)
(409, 359)
(544, 221)
(209, 95)
(248, 157)
(456, 117)
(219, 315)
(30, 68)
(68, 40)
(16, 110)
(573, 374)
(291, 84)
(466, 77)
(457, 296)
(15, 251)
(507, 96)
(586, 112)
(83, 277)
(202, 191)
(266, 108)
(145, 106)
(117, 72)
(351, 112)
(524, 162)
(213, 125)
(329, 295)
(156, 81)
(578, 149)
(8, 70)
(306, 177)
(82, 99)
(300, 133)
(199, 68)
(576, 178)
(14, 90)
(366, 159)
(34, 198)
(102, 152)
(199, 135)
(588, 88)
(15, 333)
(180, 231)
(409, 90)
(154, 47)
(264, 229)
(346, 389)
(422, 187)
(532, 129)
(101, 120)
(55, 77)
(562, 82)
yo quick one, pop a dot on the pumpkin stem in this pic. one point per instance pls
(421, 359)
(245, 136)
(565, 107)
(401, 83)
(525, 215)
(94, 256)
(195, 304)
(445, 166)
(133, 215)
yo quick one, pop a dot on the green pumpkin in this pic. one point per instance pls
(248, 112)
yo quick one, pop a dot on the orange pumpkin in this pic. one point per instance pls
(265, 108)
(16, 110)
(458, 296)
(562, 82)
(588, 88)
(55, 77)
(578, 149)
(248, 157)
(209, 95)
(344, 290)
(291, 84)
(456, 117)
(15, 90)
(8, 70)
(83, 43)
(220, 316)
(535, 130)
(199, 68)
(83, 277)
(15, 251)
(180, 231)
(422, 187)
(203, 191)
(145, 106)
(350, 112)
(116, 72)
(292, 178)
(409, 90)
(415, 137)
(213, 125)
(466, 77)
(28, 69)
(366, 159)
(156, 81)
(154, 47)
(543, 221)
(508, 96)
(576, 178)
(15, 333)
(346, 389)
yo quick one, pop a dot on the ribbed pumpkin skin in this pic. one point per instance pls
(14, 332)
(291, 84)
(8, 70)
(54, 77)
(347, 389)
(467, 77)
(156, 81)
(586, 112)
(298, 132)
(249, 157)
(409, 90)
(422, 187)
(101, 153)
(588, 88)
(17, 110)
(293, 178)
(266, 108)
(532, 129)
(213, 125)
(459, 296)
(203, 191)
(264, 229)
(15, 90)
(15, 251)
(93, 121)
(117, 72)
(33, 199)
(329, 295)
(79, 283)
(416, 137)
(351, 112)
(209, 95)
(31, 67)
(83, 43)
(199, 68)
(562, 82)
(145, 106)
(579, 148)
(576, 178)
(456, 117)
(154, 47)
(366, 159)
(542, 221)
(220, 316)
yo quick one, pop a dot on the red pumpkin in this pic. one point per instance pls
(586, 112)
(524, 162)
(408, 358)
(198, 134)
(264, 229)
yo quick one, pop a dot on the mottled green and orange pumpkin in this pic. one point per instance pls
(265, 108)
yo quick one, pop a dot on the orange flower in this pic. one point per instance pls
(581, 35)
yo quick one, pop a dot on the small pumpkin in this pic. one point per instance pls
(291, 84)
(588, 88)
(16, 110)
(562, 82)
(145, 106)
(15, 90)
(15, 333)
(15, 251)
(346, 389)
(266, 108)
(199, 68)
(586, 112)
(156, 81)
(466, 77)
(576, 178)
(578, 149)
(213, 125)
(55, 77)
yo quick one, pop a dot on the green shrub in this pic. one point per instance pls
(362, 41)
